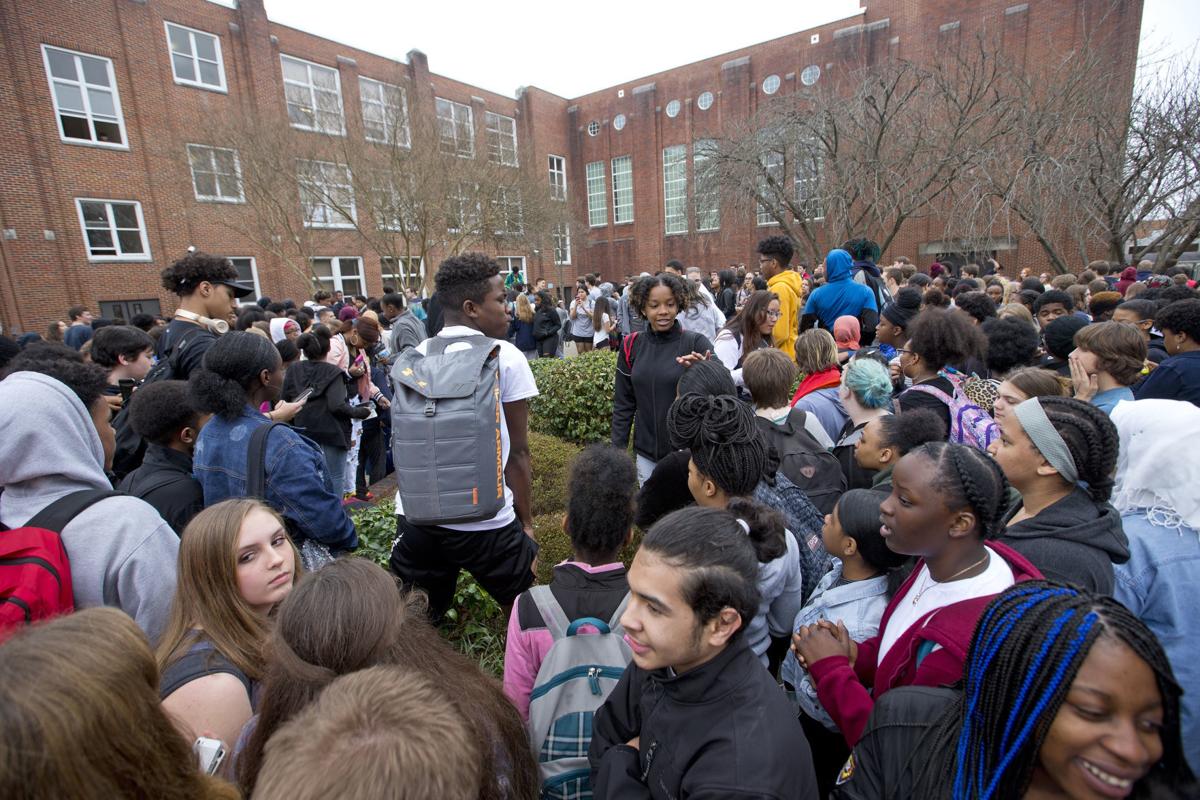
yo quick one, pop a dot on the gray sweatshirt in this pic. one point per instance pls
(122, 553)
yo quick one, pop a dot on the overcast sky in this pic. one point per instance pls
(572, 49)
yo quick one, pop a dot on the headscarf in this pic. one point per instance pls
(1157, 470)
(846, 332)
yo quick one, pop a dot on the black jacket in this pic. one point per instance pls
(326, 416)
(545, 323)
(646, 391)
(722, 730)
(164, 480)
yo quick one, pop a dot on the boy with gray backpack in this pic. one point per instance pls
(566, 647)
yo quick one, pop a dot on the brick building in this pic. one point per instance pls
(109, 174)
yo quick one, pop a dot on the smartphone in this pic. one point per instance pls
(126, 386)
(211, 753)
(303, 395)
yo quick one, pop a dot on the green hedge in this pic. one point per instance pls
(575, 396)
(552, 459)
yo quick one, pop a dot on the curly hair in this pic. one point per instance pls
(158, 411)
(639, 293)
(464, 277)
(600, 490)
(1092, 439)
(908, 431)
(726, 444)
(1173, 294)
(186, 274)
(1182, 316)
(777, 247)
(942, 338)
(1053, 297)
(87, 381)
(1011, 343)
(975, 303)
(969, 478)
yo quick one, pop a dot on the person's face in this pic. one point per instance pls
(1130, 317)
(359, 304)
(1050, 312)
(581, 296)
(1007, 398)
(767, 322)
(337, 297)
(140, 366)
(328, 317)
(221, 303)
(661, 308)
(491, 312)
(748, 283)
(670, 270)
(540, 285)
(1044, 277)
(703, 490)
(1173, 342)
(1086, 359)
(272, 381)
(87, 317)
(916, 520)
(265, 561)
(1017, 457)
(869, 450)
(101, 419)
(887, 332)
(833, 537)
(910, 363)
(769, 266)
(996, 293)
(1107, 733)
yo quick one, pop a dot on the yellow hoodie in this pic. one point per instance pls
(790, 288)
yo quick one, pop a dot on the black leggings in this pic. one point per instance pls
(548, 347)
(372, 459)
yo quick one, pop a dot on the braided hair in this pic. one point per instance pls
(726, 444)
(1027, 649)
(1092, 439)
(968, 478)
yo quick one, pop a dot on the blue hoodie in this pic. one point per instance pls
(840, 296)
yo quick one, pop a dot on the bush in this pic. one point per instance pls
(552, 459)
(575, 396)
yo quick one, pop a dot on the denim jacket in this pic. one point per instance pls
(297, 484)
(859, 605)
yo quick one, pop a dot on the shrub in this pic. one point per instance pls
(575, 396)
(552, 459)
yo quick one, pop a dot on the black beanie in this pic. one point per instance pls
(1060, 335)
(904, 306)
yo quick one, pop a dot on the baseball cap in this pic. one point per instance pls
(240, 289)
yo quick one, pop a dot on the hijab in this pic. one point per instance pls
(1157, 470)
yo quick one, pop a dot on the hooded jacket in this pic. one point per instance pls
(326, 416)
(1128, 278)
(841, 296)
(1075, 540)
(789, 286)
(122, 553)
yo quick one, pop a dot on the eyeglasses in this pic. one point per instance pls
(774, 314)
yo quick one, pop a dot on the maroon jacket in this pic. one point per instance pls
(843, 690)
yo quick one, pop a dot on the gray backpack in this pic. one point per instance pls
(446, 437)
(574, 680)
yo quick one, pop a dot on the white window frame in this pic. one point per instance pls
(81, 85)
(558, 176)
(305, 172)
(112, 229)
(313, 90)
(562, 243)
(465, 196)
(772, 160)
(496, 135)
(253, 272)
(625, 188)
(403, 277)
(506, 264)
(507, 207)
(675, 189)
(337, 275)
(395, 118)
(706, 190)
(222, 87)
(449, 128)
(808, 171)
(597, 194)
(237, 172)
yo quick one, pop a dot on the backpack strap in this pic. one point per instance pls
(438, 344)
(552, 613)
(614, 623)
(627, 347)
(256, 461)
(59, 514)
(933, 390)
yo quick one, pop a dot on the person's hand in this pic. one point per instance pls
(115, 401)
(895, 372)
(635, 743)
(693, 358)
(383, 404)
(356, 372)
(843, 636)
(1150, 366)
(815, 642)
(285, 411)
(1086, 386)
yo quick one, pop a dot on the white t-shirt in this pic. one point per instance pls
(932, 595)
(602, 334)
(516, 383)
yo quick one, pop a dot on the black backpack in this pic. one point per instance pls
(804, 461)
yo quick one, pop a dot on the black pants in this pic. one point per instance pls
(372, 459)
(548, 347)
(829, 753)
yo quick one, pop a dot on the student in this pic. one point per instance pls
(122, 553)
(817, 394)
(750, 330)
(1059, 454)
(348, 617)
(1065, 694)
(945, 507)
(407, 329)
(774, 260)
(1051, 306)
(1059, 339)
(768, 376)
(162, 414)
(283, 329)
(977, 306)
(236, 564)
(865, 576)
(581, 321)
(241, 372)
(1106, 362)
(602, 323)
(80, 328)
(126, 352)
(700, 315)
(846, 334)
(1177, 377)
(938, 339)
(727, 296)
(1140, 314)
(82, 717)
(649, 367)
(1011, 344)
(208, 291)
(888, 438)
(841, 296)
(866, 395)
(693, 586)
(1022, 384)
(499, 551)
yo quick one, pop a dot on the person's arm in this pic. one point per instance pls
(616, 766)
(337, 401)
(146, 579)
(867, 320)
(624, 401)
(214, 705)
(781, 614)
(518, 472)
(296, 485)
(729, 351)
(520, 664)
(784, 330)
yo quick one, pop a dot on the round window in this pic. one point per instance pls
(593, 128)
(770, 84)
(619, 122)
(810, 75)
(705, 101)
(673, 109)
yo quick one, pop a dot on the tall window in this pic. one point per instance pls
(314, 96)
(507, 211)
(562, 244)
(195, 57)
(707, 189)
(247, 272)
(326, 194)
(456, 128)
(404, 272)
(464, 208)
(768, 182)
(809, 162)
(597, 195)
(216, 173)
(674, 188)
(622, 181)
(502, 139)
(384, 111)
(558, 177)
(86, 102)
(113, 230)
(340, 274)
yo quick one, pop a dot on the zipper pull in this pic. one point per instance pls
(594, 680)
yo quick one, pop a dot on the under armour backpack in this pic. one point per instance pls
(446, 434)
(576, 677)
(969, 424)
(806, 463)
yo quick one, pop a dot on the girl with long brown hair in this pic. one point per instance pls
(236, 563)
(746, 332)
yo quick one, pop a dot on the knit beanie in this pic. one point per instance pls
(904, 306)
(347, 312)
(1060, 335)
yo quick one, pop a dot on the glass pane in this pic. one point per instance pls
(95, 214)
(130, 241)
(300, 116)
(99, 239)
(224, 161)
(374, 130)
(352, 286)
(62, 65)
(206, 47)
(95, 71)
(227, 186)
(75, 127)
(294, 71)
(102, 103)
(125, 215)
(69, 97)
(322, 267)
(372, 113)
(243, 269)
(328, 102)
(324, 78)
(206, 184)
(108, 132)
(297, 94)
(184, 70)
(209, 74)
(180, 40)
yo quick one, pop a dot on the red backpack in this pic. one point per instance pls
(35, 574)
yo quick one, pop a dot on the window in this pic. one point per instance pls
(86, 102)
(809, 160)
(216, 173)
(622, 181)
(597, 195)
(247, 273)
(126, 309)
(704, 101)
(562, 244)
(675, 188)
(384, 111)
(619, 122)
(768, 184)
(456, 128)
(593, 128)
(770, 84)
(404, 272)
(195, 57)
(389, 207)
(340, 274)
(463, 211)
(502, 139)
(558, 177)
(673, 109)
(507, 212)
(314, 96)
(708, 187)
(113, 230)
(508, 263)
(810, 75)
(326, 195)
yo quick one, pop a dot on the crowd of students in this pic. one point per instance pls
(898, 534)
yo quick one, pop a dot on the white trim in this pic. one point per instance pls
(337, 276)
(237, 171)
(404, 279)
(112, 229)
(223, 88)
(675, 178)
(253, 273)
(87, 105)
(454, 145)
(565, 236)
(600, 207)
(616, 204)
(554, 187)
(500, 135)
(312, 93)
(390, 125)
(303, 177)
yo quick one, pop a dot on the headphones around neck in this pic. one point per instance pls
(217, 326)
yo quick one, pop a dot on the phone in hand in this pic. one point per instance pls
(304, 395)
(211, 753)
(126, 385)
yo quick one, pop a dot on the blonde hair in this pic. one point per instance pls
(524, 310)
(816, 350)
(1017, 311)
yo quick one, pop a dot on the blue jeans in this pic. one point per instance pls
(335, 464)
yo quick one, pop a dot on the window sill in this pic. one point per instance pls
(141, 259)
(229, 201)
(197, 85)
(90, 143)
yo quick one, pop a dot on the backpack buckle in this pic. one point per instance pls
(430, 407)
